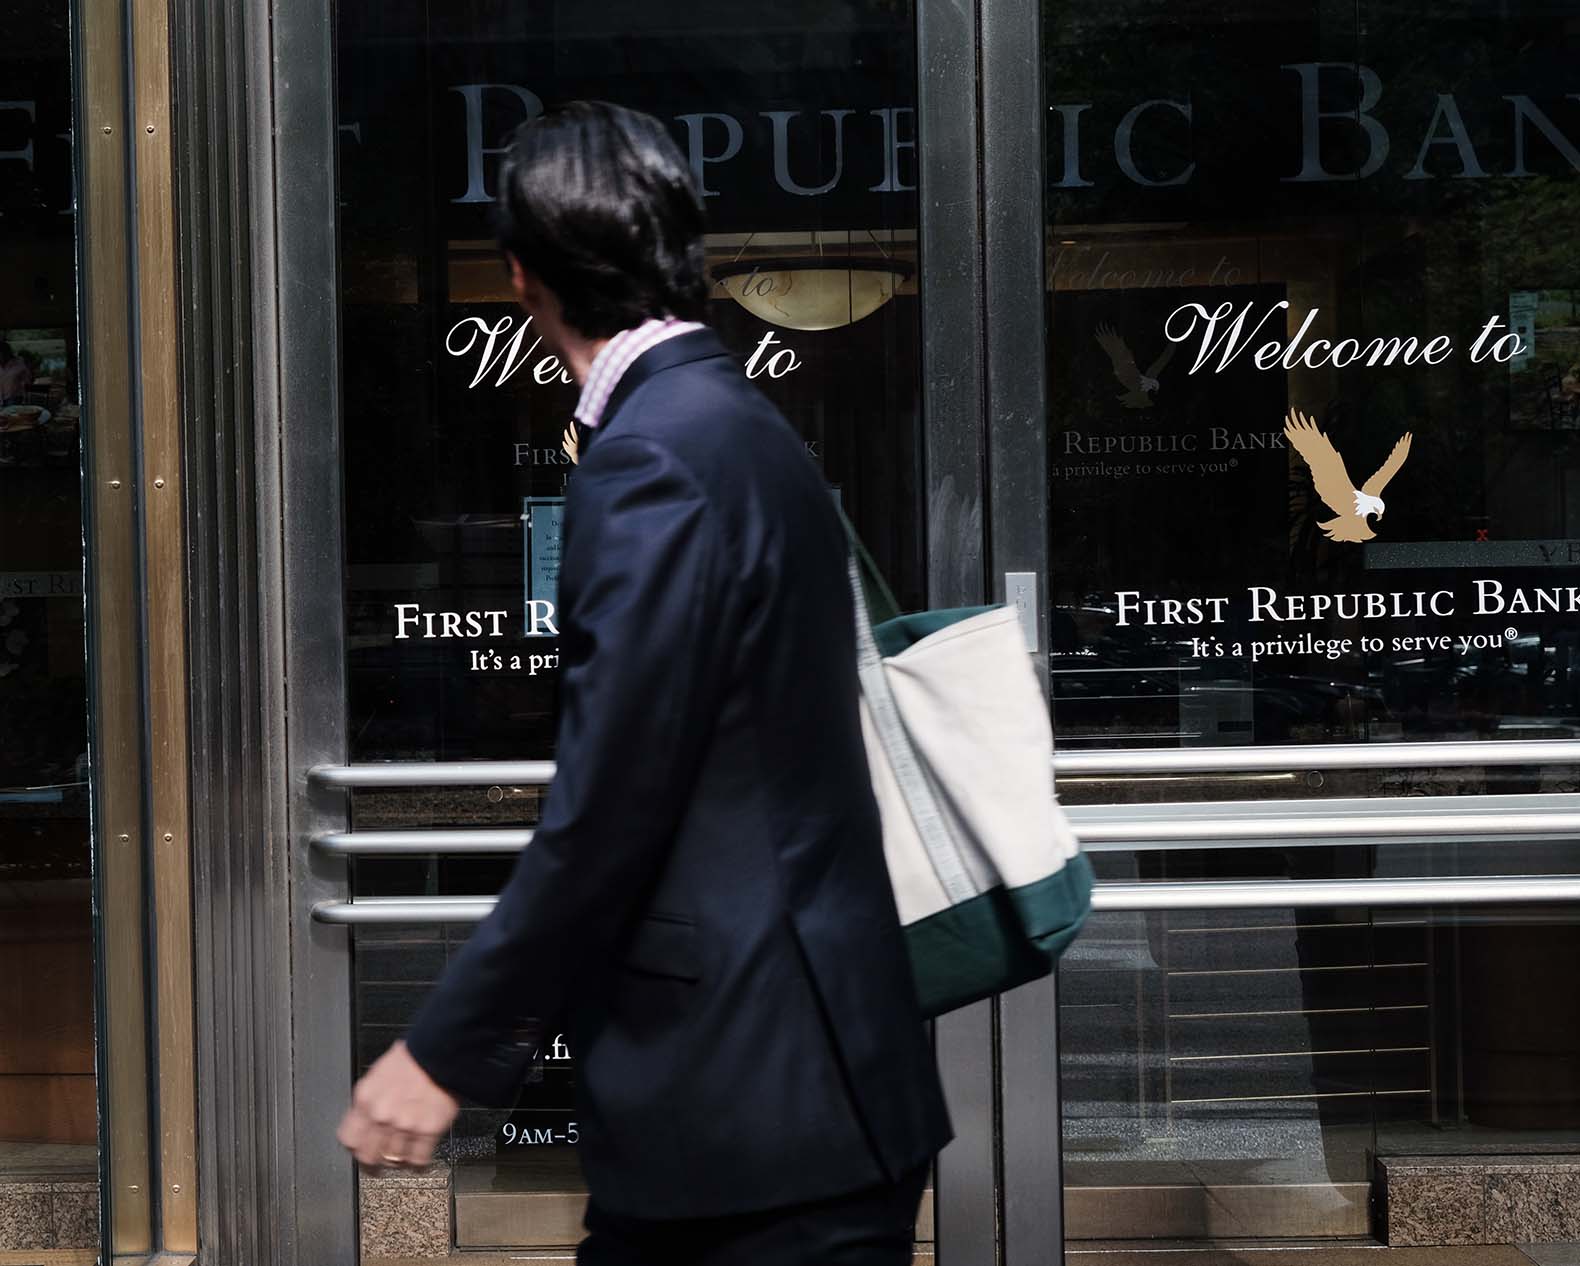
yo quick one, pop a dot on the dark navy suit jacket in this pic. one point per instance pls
(704, 906)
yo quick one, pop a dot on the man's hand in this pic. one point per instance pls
(397, 1113)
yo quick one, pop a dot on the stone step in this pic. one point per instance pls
(1439, 1200)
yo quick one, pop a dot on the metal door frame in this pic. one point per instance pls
(984, 353)
(297, 296)
(954, 297)
(1030, 1143)
(285, 1194)
(257, 266)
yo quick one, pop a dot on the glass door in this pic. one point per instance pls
(1313, 367)
(799, 121)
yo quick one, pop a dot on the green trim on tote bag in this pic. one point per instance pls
(1000, 939)
(905, 631)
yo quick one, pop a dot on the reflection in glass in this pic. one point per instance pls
(48, 1115)
(1237, 1074)
(801, 130)
(1362, 219)
(1213, 582)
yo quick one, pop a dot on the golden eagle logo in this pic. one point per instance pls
(1139, 387)
(1353, 506)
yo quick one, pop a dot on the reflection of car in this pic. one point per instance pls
(1284, 703)
(1112, 683)
(1100, 695)
(1073, 627)
(1485, 689)
(1116, 684)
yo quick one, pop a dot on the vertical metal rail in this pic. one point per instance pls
(164, 582)
(953, 287)
(297, 376)
(110, 491)
(237, 699)
(1017, 395)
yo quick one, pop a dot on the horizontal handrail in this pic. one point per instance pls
(1194, 895)
(462, 773)
(1217, 760)
(1151, 826)
(404, 910)
(420, 842)
(1303, 893)
(1186, 831)
(1143, 760)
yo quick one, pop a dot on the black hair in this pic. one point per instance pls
(5, 352)
(597, 201)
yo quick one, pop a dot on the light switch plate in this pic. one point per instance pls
(1020, 592)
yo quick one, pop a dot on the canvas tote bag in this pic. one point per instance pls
(989, 879)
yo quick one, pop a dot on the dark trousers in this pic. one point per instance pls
(875, 1227)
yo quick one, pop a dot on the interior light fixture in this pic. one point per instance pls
(812, 292)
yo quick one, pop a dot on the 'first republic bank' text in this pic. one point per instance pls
(1487, 597)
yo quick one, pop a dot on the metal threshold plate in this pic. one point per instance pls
(1196, 1211)
(564, 1256)
(541, 1207)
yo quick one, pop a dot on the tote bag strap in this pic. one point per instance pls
(879, 598)
(916, 785)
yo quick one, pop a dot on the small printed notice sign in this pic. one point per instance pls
(543, 520)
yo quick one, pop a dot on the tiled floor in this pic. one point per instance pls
(565, 1258)
(1329, 1255)
(539, 1258)
(1356, 1255)
(1130, 1255)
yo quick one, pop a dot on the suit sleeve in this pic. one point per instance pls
(642, 590)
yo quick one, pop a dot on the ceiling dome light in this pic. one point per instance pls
(812, 293)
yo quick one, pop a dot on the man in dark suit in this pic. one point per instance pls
(704, 906)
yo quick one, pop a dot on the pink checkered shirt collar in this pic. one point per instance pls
(617, 356)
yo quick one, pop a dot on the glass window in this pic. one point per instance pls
(1234, 1075)
(48, 1116)
(801, 130)
(1314, 359)
(799, 121)
(1277, 212)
